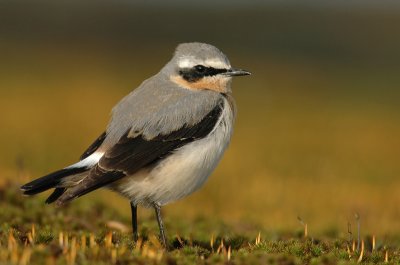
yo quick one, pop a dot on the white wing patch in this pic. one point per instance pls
(88, 161)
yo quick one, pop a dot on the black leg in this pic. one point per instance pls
(157, 208)
(134, 221)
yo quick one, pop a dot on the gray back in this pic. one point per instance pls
(158, 106)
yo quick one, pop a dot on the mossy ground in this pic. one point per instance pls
(89, 233)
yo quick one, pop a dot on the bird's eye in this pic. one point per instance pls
(200, 68)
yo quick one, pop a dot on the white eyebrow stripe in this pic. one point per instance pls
(218, 64)
(189, 62)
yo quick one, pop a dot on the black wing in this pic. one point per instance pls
(131, 154)
(93, 147)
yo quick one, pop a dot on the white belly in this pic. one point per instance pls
(182, 172)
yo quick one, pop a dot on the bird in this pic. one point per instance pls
(163, 140)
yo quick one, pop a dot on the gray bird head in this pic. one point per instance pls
(201, 66)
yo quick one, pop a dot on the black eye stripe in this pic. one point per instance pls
(199, 71)
(200, 68)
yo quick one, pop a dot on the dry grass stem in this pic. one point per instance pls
(83, 242)
(348, 251)
(139, 244)
(179, 240)
(373, 243)
(61, 239)
(108, 240)
(362, 252)
(258, 238)
(72, 252)
(26, 256)
(92, 242)
(30, 238)
(221, 246)
(155, 241)
(305, 226)
(114, 256)
(66, 241)
(12, 243)
(33, 231)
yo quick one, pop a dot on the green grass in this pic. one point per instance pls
(93, 233)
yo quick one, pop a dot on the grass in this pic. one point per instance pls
(92, 233)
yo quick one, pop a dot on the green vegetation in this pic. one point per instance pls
(90, 233)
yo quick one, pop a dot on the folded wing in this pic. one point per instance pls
(133, 152)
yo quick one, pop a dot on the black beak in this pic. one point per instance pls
(236, 72)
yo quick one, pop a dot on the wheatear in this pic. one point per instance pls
(164, 139)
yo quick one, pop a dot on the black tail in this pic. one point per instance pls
(55, 195)
(51, 181)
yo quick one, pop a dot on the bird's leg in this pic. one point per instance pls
(134, 221)
(157, 208)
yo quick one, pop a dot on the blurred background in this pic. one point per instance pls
(317, 132)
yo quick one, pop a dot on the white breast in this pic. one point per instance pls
(182, 172)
